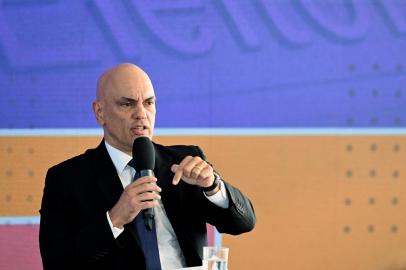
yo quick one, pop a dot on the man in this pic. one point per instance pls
(90, 204)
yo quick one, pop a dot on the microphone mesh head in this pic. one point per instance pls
(143, 154)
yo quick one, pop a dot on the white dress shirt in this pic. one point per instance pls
(170, 253)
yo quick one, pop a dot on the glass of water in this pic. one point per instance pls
(215, 258)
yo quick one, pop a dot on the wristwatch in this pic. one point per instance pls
(214, 185)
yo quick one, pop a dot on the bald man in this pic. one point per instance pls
(90, 203)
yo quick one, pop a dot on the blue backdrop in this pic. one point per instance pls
(220, 63)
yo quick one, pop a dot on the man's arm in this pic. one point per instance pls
(64, 240)
(238, 217)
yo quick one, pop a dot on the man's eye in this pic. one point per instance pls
(150, 102)
(125, 104)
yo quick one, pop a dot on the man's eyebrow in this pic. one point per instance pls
(150, 98)
(134, 100)
(127, 99)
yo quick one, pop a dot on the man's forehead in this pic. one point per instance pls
(129, 90)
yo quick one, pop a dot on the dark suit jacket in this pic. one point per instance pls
(74, 231)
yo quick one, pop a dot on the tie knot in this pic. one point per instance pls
(131, 163)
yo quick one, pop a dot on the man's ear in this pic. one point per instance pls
(98, 112)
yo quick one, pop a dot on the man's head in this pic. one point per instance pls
(125, 105)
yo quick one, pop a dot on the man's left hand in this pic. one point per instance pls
(194, 171)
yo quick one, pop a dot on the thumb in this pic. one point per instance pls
(174, 168)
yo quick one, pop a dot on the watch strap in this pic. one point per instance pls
(214, 184)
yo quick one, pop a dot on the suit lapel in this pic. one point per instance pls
(172, 197)
(163, 173)
(107, 180)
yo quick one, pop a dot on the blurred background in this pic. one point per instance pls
(299, 103)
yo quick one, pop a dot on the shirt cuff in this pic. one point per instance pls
(220, 198)
(116, 231)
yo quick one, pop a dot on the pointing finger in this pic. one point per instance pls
(179, 170)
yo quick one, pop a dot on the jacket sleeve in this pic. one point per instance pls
(238, 218)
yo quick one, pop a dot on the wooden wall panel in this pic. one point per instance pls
(322, 202)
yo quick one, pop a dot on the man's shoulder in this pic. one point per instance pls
(78, 161)
(180, 148)
(178, 151)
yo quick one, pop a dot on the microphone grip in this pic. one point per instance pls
(147, 214)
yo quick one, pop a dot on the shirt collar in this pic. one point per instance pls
(119, 158)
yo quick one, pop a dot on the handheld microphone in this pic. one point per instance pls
(144, 159)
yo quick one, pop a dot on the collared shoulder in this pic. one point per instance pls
(119, 158)
(177, 152)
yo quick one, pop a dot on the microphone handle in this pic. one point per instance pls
(147, 214)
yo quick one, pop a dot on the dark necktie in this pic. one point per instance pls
(147, 238)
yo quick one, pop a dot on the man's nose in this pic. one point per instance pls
(139, 112)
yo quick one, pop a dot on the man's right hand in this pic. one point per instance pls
(139, 195)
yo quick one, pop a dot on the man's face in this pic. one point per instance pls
(126, 108)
